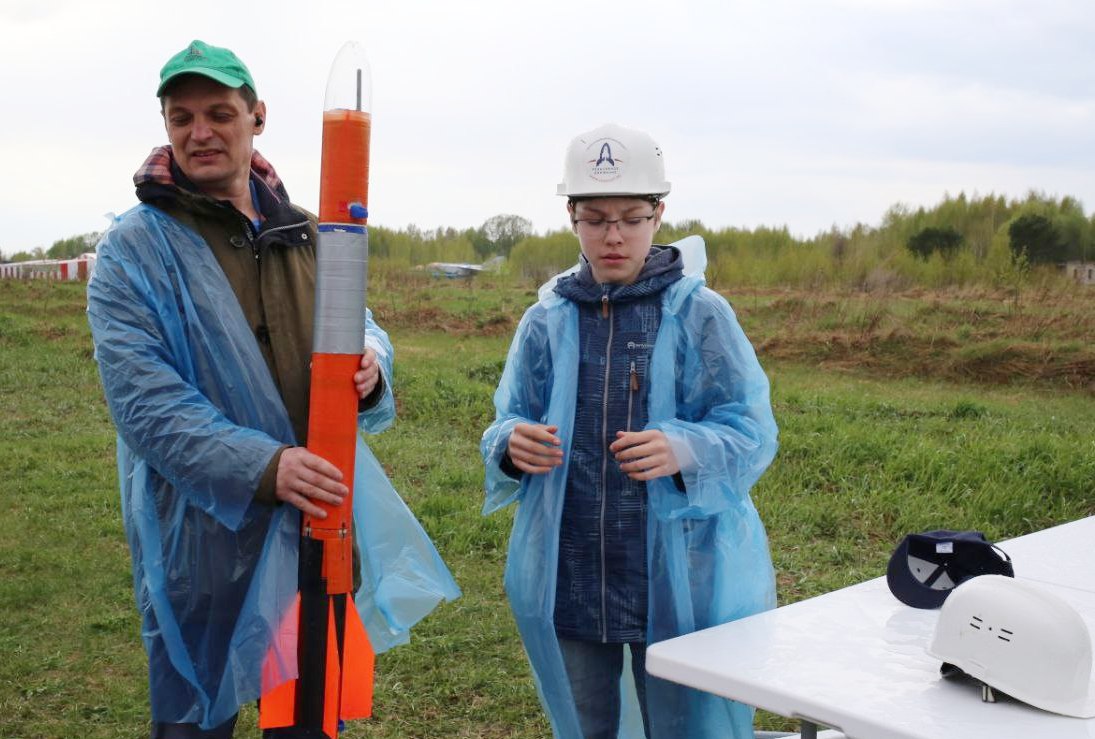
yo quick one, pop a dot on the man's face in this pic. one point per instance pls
(211, 132)
(616, 235)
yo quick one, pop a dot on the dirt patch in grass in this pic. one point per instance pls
(433, 318)
(901, 354)
(964, 337)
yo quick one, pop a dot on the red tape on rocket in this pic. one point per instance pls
(335, 659)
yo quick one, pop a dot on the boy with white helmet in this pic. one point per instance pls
(632, 419)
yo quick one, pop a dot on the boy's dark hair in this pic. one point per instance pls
(250, 98)
(652, 199)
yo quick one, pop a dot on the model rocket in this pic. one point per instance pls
(334, 657)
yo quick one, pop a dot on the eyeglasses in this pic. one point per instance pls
(599, 226)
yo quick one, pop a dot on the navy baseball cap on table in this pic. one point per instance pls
(926, 567)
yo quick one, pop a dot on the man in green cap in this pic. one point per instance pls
(201, 312)
(212, 114)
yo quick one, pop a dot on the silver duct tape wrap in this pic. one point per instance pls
(342, 260)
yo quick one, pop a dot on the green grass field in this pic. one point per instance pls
(897, 414)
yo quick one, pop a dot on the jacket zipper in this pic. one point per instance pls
(606, 313)
(634, 385)
(254, 239)
(249, 237)
(287, 227)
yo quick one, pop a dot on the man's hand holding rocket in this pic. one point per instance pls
(304, 477)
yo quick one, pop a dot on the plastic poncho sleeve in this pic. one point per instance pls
(403, 576)
(522, 397)
(723, 417)
(198, 419)
(164, 409)
(538, 385)
(381, 415)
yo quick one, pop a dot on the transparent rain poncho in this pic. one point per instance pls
(198, 419)
(707, 552)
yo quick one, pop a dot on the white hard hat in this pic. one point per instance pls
(1019, 639)
(613, 161)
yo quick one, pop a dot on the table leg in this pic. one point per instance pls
(807, 729)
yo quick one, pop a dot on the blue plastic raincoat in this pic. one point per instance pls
(199, 418)
(707, 554)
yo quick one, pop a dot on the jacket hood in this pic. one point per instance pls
(160, 180)
(160, 175)
(663, 267)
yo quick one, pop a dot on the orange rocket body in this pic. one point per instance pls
(335, 660)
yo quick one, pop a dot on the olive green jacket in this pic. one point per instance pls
(271, 270)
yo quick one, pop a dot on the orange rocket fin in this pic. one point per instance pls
(277, 707)
(358, 662)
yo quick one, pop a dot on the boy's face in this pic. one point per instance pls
(616, 235)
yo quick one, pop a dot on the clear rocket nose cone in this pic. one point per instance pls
(350, 86)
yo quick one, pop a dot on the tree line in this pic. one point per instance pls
(987, 240)
(410, 246)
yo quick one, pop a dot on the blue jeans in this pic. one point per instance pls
(225, 730)
(594, 671)
(191, 731)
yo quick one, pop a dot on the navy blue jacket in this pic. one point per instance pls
(601, 593)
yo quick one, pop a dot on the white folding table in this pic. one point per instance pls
(855, 660)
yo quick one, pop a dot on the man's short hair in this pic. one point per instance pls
(218, 64)
(250, 98)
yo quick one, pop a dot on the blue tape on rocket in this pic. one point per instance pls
(346, 227)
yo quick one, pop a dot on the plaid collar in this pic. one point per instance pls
(158, 169)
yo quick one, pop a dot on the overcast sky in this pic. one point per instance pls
(804, 113)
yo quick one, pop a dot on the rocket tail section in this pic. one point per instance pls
(345, 690)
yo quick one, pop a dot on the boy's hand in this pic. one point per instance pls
(644, 455)
(365, 379)
(534, 448)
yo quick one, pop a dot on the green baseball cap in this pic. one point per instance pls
(218, 64)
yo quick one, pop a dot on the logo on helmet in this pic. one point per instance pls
(607, 165)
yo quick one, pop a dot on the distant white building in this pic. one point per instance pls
(79, 268)
(1082, 272)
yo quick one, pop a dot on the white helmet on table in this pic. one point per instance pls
(613, 161)
(1019, 639)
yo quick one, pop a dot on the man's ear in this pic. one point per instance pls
(259, 114)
